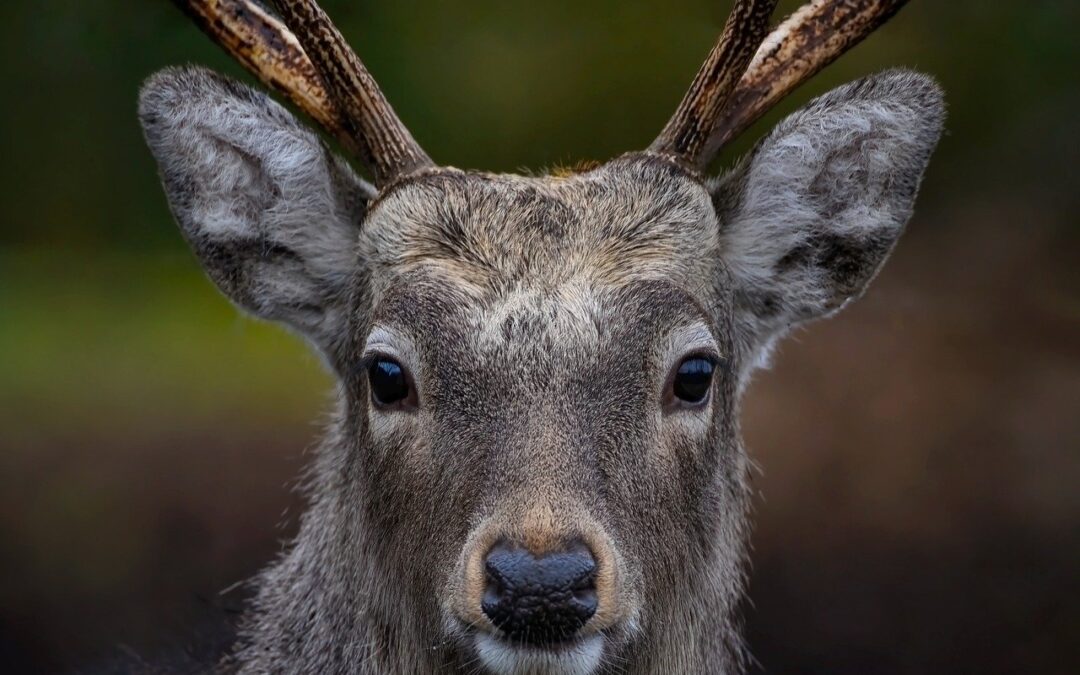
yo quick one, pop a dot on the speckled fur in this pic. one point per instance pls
(540, 318)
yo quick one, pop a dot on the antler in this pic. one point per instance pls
(314, 67)
(713, 112)
(382, 139)
(688, 131)
(813, 37)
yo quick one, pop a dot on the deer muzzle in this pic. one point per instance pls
(531, 596)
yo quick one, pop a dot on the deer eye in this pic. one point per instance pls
(390, 384)
(692, 380)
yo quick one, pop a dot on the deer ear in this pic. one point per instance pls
(271, 213)
(809, 217)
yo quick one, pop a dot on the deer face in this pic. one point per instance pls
(546, 389)
(535, 465)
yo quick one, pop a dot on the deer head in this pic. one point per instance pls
(535, 465)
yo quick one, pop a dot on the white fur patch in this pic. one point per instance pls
(581, 658)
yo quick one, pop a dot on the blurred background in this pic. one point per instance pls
(918, 505)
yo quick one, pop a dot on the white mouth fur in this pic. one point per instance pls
(582, 657)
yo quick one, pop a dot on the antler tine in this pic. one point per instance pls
(382, 140)
(263, 45)
(807, 41)
(318, 72)
(689, 130)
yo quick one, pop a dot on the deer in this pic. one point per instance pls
(534, 463)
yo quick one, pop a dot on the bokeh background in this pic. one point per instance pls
(919, 491)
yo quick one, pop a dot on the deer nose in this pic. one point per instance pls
(539, 600)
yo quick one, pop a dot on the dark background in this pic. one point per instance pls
(919, 492)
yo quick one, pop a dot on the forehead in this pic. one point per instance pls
(627, 221)
(544, 263)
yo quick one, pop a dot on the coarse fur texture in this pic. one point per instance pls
(540, 320)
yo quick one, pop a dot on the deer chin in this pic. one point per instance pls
(581, 656)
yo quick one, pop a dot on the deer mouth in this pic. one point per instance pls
(574, 656)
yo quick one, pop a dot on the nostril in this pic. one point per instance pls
(539, 600)
(494, 588)
(585, 602)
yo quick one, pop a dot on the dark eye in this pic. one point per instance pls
(692, 379)
(389, 384)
